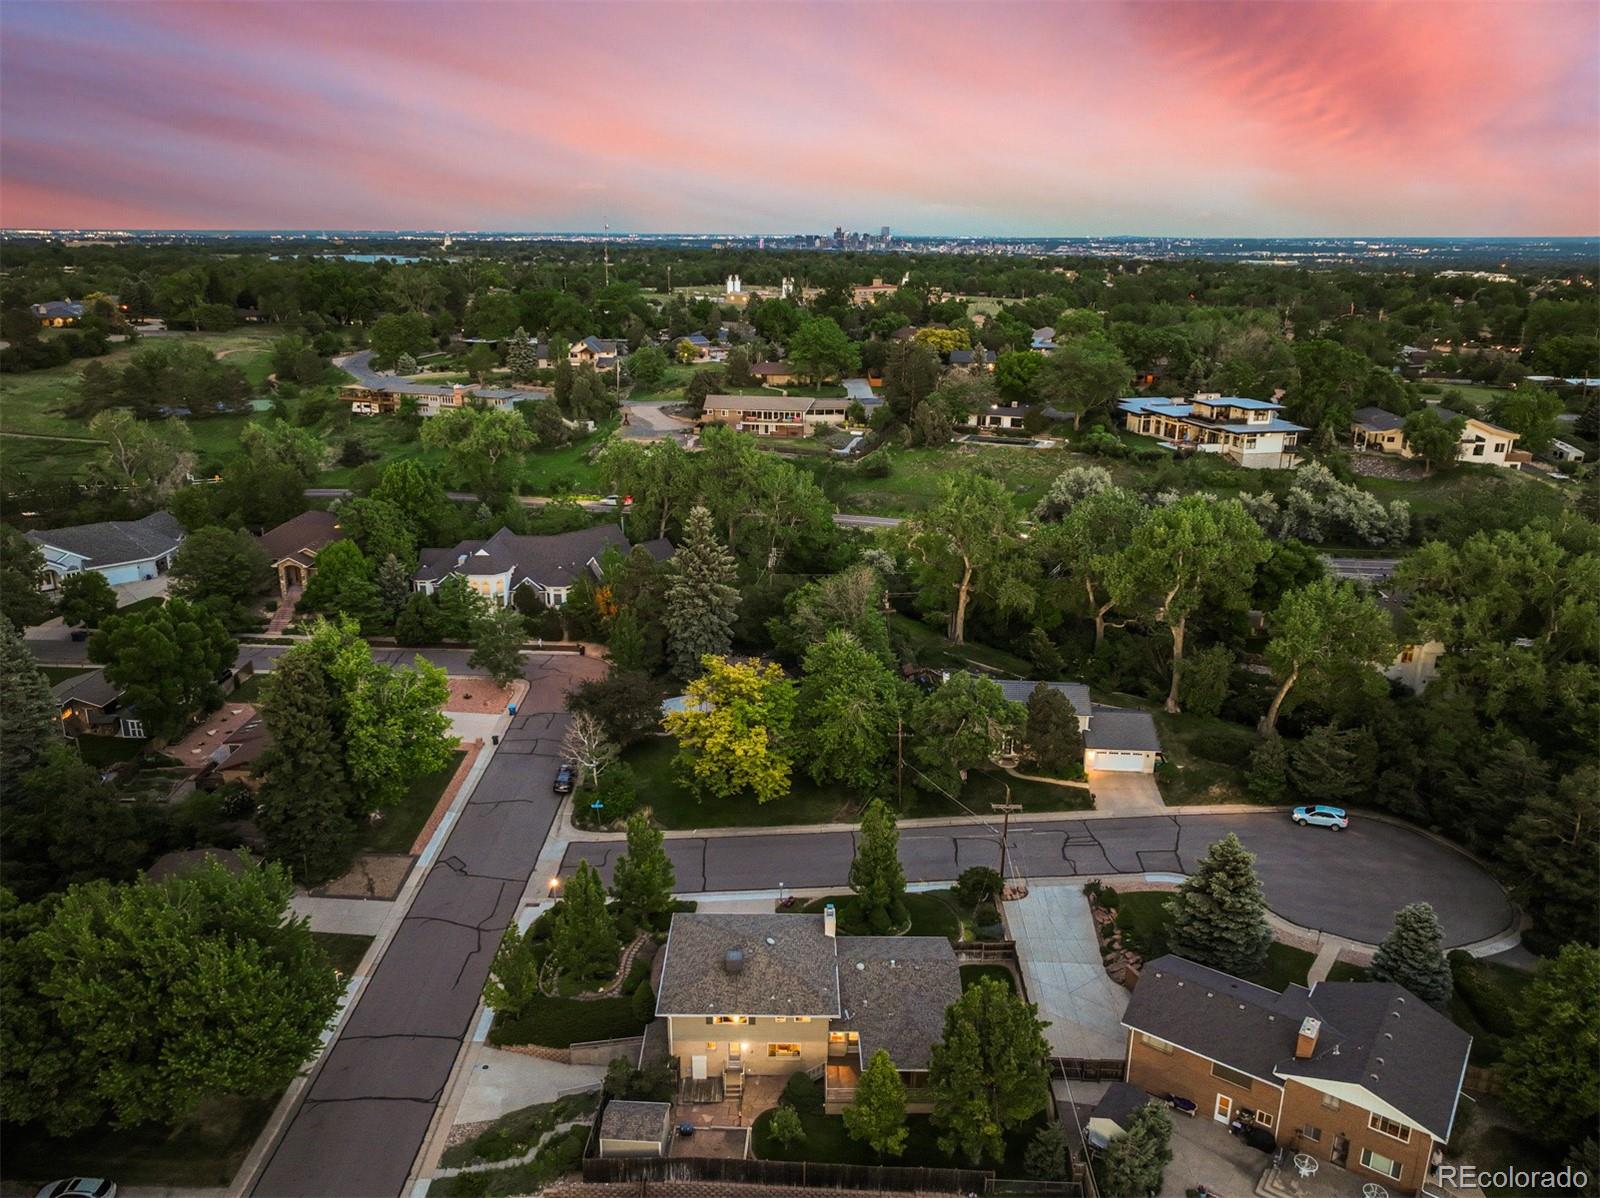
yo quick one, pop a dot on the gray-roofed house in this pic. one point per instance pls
(1119, 739)
(495, 568)
(1361, 1075)
(630, 1128)
(90, 705)
(122, 550)
(777, 994)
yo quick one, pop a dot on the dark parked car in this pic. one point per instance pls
(563, 784)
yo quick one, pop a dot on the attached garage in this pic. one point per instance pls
(1121, 741)
(1120, 760)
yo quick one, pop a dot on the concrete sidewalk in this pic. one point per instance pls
(350, 917)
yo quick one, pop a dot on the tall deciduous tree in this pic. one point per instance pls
(224, 568)
(734, 732)
(481, 445)
(969, 545)
(588, 745)
(147, 459)
(87, 599)
(1434, 439)
(964, 723)
(166, 660)
(877, 1114)
(584, 944)
(876, 875)
(342, 584)
(1550, 844)
(643, 877)
(134, 1003)
(701, 598)
(1197, 551)
(497, 645)
(1084, 551)
(851, 706)
(1083, 375)
(415, 490)
(851, 600)
(1135, 1161)
(1552, 1081)
(1412, 955)
(1218, 914)
(1319, 631)
(820, 350)
(988, 1071)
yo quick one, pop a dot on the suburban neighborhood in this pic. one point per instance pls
(562, 637)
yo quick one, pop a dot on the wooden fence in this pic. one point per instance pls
(812, 1174)
(972, 952)
(1088, 1069)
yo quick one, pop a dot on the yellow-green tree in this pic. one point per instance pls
(733, 733)
(944, 340)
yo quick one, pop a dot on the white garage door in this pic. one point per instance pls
(1109, 759)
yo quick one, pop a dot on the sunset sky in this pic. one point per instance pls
(1187, 119)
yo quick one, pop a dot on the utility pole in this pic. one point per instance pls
(1005, 810)
(605, 250)
(900, 761)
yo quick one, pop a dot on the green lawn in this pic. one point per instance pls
(676, 806)
(398, 829)
(971, 975)
(562, 470)
(56, 674)
(248, 691)
(917, 475)
(926, 646)
(515, 1133)
(933, 913)
(987, 785)
(205, 1149)
(344, 951)
(560, 1154)
(1450, 489)
(1143, 921)
(108, 750)
(1344, 971)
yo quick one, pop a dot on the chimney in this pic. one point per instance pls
(1305, 1044)
(830, 922)
(733, 961)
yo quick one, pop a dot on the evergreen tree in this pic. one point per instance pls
(625, 644)
(877, 1114)
(643, 878)
(1046, 1157)
(22, 603)
(988, 1072)
(305, 807)
(405, 364)
(876, 875)
(702, 599)
(522, 358)
(1412, 955)
(514, 976)
(1218, 915)
(1133, 1164)
(1269, 770)
(393, 582)
(497, 647)
(28, 713)
(1328, 765)
(1053, 737)
(584, 945)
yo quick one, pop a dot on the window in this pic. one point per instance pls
(1329, 1102)
(780, 1018)
(783, 1050)
(1155, 1044)
(1477, 450)
(1311, 1133)
(731, 1019)
(1264, 1119)
(133, 729)
(1232, 1076)
(1389, 1128)
(802, 1019)
(1379, 1163)
(711, 1046)
(1408, 653)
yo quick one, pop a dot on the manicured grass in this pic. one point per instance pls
(108, 750)
(986, 785)
(971, 975)
(205, 1149)
(675, 805)
(398, 828)
(564, 469)
(248, 691)
(827, 1140)
(1344, 971)
(515, 1133)
(560, 1154)
(343, 950)
(926, 646)
(917, 475)
(1143, 920)
(57, 674)
(933, 913)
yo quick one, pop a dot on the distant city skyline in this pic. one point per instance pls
(1091, 120)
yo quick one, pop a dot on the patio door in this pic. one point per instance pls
(1224, 1110)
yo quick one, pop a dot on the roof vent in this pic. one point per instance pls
(770, 940)
(733, 961)
(861, 965)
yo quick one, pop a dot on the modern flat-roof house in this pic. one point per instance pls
(772, 995)
(1248, 432)
(1118, 739)
(292, 546)
(433, 398)
(1485, 444)
(998, 418)
(122, 550)
(1364, 1076)
(495, 568)
(775, 415)
(89, 705)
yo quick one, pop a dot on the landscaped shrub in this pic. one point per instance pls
(977, 884)
(644, 1003)
(801, 1093)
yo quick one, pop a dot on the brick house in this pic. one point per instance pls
(772, 995)
(1362, 1075)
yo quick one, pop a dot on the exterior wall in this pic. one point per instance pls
(494, 587)
(1417, 665)
(1493, 450)
(1189, 1076)
(610, 1147)
(131, 572)
(693, 1035)
(1147, 761)
(1303, 1107)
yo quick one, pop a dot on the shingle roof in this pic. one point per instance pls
(788, 967)
(1376, 1035)
(1076, 692)
(894, 990)
(759, 403)
(90, 688)
(1119, 1103)
(1117, 728)
(627, 1120)
(115, 541)
(311, 531)
(1378, 419)
(547, 561)
(768, 369)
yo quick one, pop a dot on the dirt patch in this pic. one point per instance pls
(373, 875)
(1383, 465)
(471, 749)
(480, 696)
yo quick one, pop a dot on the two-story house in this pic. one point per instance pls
(122, 550)
(599, 352)
(1482, 443)
(1361, 1075)
(497, 567)
(772, 995)
(775, 415)
(1248, 432)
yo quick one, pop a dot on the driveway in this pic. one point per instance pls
(860, 389)
(650, 422)
(1060, 957)
(1125, 793)
(1203, 1153)
(360, 1123)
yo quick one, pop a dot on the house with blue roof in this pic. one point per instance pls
(1249, 432)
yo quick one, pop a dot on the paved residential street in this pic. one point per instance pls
(1347, 883)
(360, 1123)
(1365, 569)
